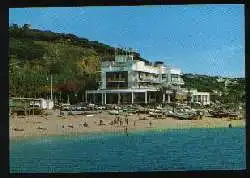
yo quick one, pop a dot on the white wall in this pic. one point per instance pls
(202, 96)
(46, 104)
(140, 66)
(175, 71)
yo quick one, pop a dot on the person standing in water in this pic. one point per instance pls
(126, 130)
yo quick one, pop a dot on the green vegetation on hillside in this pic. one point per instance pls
(73, 62)
(202, 83)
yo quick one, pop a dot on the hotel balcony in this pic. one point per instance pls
(145, 87)
(117, 80)
(148, 80)
(108, 64)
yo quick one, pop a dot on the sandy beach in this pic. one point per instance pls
(21, 126)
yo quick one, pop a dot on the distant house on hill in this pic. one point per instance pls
(216, 92)
(27, 26)
(230, 82)
(221, 79)
(190, 76)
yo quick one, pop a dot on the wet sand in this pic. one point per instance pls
(55, 125)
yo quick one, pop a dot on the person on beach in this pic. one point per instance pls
(121, 123)
(126, 119)
(134, 123)
(200, 115)
(85, 124)
(230, 125)
(150, 123)
(117, 119)
(100, 122)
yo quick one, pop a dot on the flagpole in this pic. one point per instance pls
(51, 92)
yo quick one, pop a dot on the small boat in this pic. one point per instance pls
(156, 113)
(41, 128)
(114, 112)
(17, 129)
(91, 112)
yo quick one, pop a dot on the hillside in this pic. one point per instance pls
(73, 62)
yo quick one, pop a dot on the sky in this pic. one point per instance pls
(201, 39)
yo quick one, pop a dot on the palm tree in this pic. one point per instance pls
(163, 89)
(174, 98)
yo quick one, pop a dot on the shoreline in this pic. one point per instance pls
(53, 125)
(13, 138)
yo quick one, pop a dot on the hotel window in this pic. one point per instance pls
(199, 98)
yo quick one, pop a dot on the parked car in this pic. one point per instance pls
(101, 107)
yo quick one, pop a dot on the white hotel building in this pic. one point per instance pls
(128, 81)
(200, 97)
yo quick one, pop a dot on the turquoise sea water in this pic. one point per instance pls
(171, 150)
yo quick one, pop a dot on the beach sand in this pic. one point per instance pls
(53, 125)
